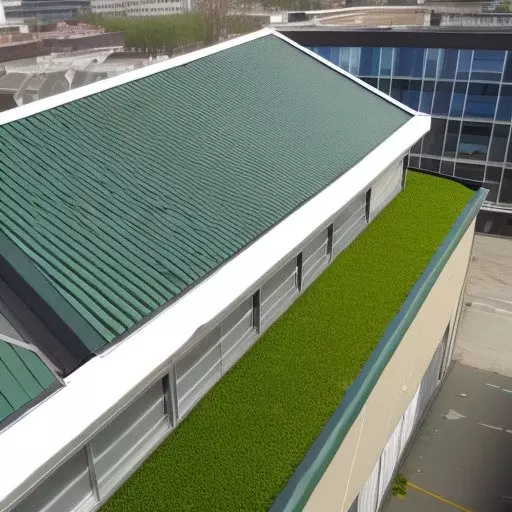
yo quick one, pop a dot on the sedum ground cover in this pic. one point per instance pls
(240, 445)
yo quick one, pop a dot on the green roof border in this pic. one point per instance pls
(299, 488)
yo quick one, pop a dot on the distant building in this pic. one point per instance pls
(26, 80)
(46, 10)
(461, 75)
(140, 7)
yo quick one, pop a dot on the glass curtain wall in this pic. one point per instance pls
(467, 92)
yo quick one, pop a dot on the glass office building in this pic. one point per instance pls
(468, 92)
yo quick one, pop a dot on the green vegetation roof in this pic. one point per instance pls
(123, 199)
(23, 378)
(240, 445)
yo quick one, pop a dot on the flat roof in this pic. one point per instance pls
(241, 444)
(119, 197)
(417, 37)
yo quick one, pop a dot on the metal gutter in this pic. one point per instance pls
(306, 477)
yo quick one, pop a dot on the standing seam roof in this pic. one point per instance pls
(23, 378)
(125, 198)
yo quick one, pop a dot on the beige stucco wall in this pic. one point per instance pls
(388, 401)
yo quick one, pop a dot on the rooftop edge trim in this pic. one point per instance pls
(306, 477)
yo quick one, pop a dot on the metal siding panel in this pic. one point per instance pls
(276, 281)
(235, 316)
(230, 357)
(202, 386)
(116, 461)
(349, 211)
(387, 186)
(67, 488)
(240, 331)
(188, 382)
(278, 307)
(369, 493)
(122, 423)
(197, 352)
(388, 461)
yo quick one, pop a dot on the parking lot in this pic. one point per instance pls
(461, 458)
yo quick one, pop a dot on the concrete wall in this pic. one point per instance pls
(397, 385)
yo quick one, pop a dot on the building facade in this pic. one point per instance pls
(140, 7)
(45, 10)
(462, 78)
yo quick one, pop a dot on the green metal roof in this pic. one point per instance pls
(123, 199)
(23, 378)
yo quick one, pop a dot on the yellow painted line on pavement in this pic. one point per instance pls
(437, 497)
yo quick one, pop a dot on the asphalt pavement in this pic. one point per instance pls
(461, 458)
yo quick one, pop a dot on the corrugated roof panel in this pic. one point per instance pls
(125, 198)
(23, 378)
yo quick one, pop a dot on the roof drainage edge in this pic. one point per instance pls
(301, 485)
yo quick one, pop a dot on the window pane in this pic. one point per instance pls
(345, 58)
(464, 64)
(493, 188)
(472, 172)
(507, 76)
(498, 143)
(509, 154)
(427, 96)
(442, 98)
(452, 138)
(413, 99)
(414, 162)
(506, 187)
(355, 57)
(492, 182)
(487, 65)
(371, 81)
(474, 140)
(384, 84)
(481, 100)
(324, 51)
(417, 147)
(493, 173)
(385, 61)
(446, 168)
(430, 164)
(433, 140)
(448, 63)
(409, 62)
(406, 91)
(369, 61)
(459, 95)
(431, 64)
(504, 112)
(334, 56)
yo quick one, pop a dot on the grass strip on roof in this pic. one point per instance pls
(240, 445)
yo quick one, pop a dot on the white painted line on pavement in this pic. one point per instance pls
(491, 426)
(491, 385)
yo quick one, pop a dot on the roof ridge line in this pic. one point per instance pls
(57, 100)
(346, 74)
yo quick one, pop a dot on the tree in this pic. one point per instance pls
(215, 14)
